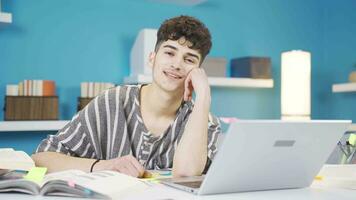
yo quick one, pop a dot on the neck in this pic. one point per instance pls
(159, 102)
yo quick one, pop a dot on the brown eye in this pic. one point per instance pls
(169, 53)
(190, 61)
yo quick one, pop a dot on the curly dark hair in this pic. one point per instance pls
(188, 27)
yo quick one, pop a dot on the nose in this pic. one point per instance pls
(176, 64)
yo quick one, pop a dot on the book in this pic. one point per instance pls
(84, 89)
(12, 90)
(15, 160)
(21, 88)
(336, 176)
(93, 89)
(32, 88)
(48, 88)
(26, 88)
(75, 183)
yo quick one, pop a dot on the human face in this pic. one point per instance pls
(172, 63)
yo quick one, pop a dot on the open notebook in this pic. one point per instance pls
(75, 183)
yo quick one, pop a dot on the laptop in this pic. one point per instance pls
(267, 155)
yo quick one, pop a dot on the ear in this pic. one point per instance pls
(151, 59)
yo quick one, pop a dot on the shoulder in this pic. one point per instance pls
(120, 92)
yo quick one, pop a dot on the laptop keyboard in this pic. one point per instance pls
(192, 184)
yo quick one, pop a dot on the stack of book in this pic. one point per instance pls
(32, 88)
(31, 100)
(93, 89)
(89, 90)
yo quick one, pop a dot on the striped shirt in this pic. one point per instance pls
(111, 126)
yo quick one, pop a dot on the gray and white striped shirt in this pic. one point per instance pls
(111, 126)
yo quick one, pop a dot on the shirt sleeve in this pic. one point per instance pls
(214, 131)
(81, 136)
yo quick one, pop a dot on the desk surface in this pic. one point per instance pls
(165, 193)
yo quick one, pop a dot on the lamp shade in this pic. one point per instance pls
(295, 85)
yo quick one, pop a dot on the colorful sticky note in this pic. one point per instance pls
(71, 184)
(168, 173)
(36, 174)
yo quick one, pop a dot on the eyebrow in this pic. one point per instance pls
(193, 55)
(175, 48)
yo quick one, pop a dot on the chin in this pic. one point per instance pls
(170, 87)
(173, 88)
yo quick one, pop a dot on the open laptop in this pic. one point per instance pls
(265, 155)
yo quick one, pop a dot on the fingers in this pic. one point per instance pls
(129, 166)
(147, 174)
(129, 170)
(188, 88)
(196, 81)
(137, 166)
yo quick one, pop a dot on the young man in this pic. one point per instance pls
(136, 127)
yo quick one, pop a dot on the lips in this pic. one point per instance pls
(172, 75)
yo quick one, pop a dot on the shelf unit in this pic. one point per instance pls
(344, 87)
(9, 126)
(214, 81)
(5, 17)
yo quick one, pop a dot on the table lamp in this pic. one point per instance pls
(295, 85)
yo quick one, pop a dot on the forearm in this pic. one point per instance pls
(58, 162)
(191, 153)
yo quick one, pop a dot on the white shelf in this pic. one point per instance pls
(7, 126)
(5, 17)
(344, 87)
(214, 81)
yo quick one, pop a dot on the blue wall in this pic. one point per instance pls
(71, 41)
(339, 57)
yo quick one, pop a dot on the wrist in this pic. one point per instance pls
(203, 99)
(93, 165)
(100, 165)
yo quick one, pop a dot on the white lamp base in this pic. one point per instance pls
(295, 117)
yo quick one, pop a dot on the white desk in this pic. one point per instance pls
(161, 192)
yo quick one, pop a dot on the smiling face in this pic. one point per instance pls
(171, 63)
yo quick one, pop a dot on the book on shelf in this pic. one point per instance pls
(89, 90)
(15, 160)
(93, 89)
(32, 88)
(12, 90)
(75, 183)
(336, 176)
